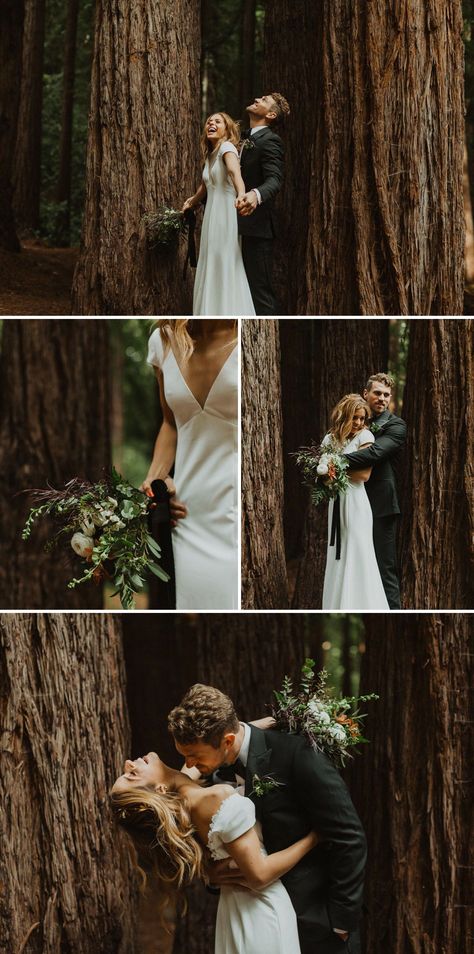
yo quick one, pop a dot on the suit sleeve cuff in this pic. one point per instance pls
(259, 197)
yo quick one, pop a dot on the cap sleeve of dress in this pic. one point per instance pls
(236, 815)
(229, 147)
(155, 349)
(365, 437)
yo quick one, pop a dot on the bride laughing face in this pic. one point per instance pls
(147, 772)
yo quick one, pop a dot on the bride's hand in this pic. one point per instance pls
(145, 487)
(189, 204)
(239, 199)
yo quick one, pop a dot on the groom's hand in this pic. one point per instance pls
(248, 203)
(225, 872)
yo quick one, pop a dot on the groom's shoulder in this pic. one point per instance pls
(394, 419)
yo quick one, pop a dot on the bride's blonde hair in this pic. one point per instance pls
(160, 827)
(341, 416)
(181, 331)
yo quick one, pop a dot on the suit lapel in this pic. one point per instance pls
(258, 762)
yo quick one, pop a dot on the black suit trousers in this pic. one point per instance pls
(257, 254)
(385, 544)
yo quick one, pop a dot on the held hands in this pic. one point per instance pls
(247, 203)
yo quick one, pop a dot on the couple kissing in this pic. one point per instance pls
(265, 818)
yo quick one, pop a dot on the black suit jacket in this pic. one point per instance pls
(326, 887)
(382, 456)
(262, 167)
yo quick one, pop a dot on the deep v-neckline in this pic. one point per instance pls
(203, 406)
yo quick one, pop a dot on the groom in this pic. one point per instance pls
(390, 435)
(261, 162)
(303, 792)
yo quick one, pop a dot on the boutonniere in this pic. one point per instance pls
(246, 144)
(376, 428)
(264, 785)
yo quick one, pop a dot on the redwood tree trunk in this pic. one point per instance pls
(54, 425)
(264, 581)
(68, 883)
(11, 33)
(344, 358)
(142, 153)
(63, 186)
(420, 757)
(373, 200)
(299, 389)
(438, 523)
(27, 165)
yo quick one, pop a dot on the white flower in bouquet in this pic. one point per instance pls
(322, 470)
(115, 523)
(87, 524)
(82, 544)
(337, 733)
(319, 712)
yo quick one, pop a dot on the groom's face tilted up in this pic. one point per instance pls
(263, 108)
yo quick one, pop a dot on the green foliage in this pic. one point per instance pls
(136, 397)
(51, 211)
(330, 724)
(109, 526)
(221, 55)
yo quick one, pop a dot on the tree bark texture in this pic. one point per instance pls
(437, 551)
(54, 425)
(344, 357)
(68, 883)
(264, 580)
(299, 388)
(372, 205)
(27, 164)
(420, 757)
(63, 185)
(142, 153)
(11, 35)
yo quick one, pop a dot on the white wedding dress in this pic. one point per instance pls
(205, 543)
(220, 286)
(249, 922)
(354, 581)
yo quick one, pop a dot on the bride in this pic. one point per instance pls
(221, 286)
(353, 581)
(172, 818)
(196, 365)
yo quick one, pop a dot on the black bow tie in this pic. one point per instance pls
(229, 773)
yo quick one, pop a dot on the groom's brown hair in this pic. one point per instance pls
(204, 714)
(282, 109)
(383, 378)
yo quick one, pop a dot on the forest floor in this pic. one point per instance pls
(37, 280)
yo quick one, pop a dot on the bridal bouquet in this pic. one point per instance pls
(330, 725)
(164, 227)
(324, 471)
(107, 524)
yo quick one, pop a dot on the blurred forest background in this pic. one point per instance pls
(402, 218)
(81, 692)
